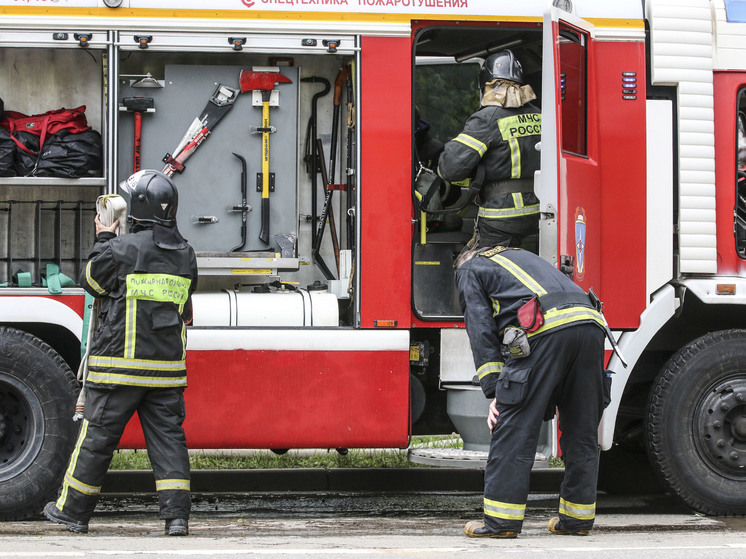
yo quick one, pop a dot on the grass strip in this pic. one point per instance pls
(303, 458)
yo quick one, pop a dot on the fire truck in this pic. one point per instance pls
(326, 314)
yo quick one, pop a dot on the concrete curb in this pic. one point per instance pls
(388, 480)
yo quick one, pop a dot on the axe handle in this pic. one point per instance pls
(138, 142)
(264, 233)
(265, 149)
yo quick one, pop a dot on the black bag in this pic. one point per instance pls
(26, 162)
(7, 154)
(71, 155)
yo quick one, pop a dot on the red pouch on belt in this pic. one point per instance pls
(530, 317)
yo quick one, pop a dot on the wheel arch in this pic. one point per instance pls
(632, 345)
(50, 320)
(680, 319)
(674, 319)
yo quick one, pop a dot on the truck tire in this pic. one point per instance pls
(37, 401)
(696, 429)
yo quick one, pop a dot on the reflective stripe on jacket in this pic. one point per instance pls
(494, 285)
(141, 335)
(504, 140)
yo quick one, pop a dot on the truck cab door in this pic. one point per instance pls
(569, 182)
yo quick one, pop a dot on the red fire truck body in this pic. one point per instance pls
(639, 186)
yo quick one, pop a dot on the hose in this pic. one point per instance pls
(109, 207)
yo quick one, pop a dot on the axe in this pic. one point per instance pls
(263, 81)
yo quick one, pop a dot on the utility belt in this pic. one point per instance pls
(531, 318)
(502, 210)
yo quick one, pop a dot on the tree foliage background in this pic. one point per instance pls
(446, 94)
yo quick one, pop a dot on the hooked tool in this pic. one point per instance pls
(244, 208)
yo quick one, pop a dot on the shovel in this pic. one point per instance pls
(263, 81)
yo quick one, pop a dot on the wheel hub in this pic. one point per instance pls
(19, 413)
(3, 425)
(739, 428)
(12, 418)
(721, 420)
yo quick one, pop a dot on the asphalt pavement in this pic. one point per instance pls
(374, 524)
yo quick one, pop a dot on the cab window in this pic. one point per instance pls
(573, 78)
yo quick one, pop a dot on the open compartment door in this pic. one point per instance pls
(569, 185)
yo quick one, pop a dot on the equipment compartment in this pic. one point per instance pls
(312, 135)
(170, 84)
(47, 220)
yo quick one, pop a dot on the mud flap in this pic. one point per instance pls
(433, 280)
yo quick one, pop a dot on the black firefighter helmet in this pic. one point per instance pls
(153, 201)
(153, 198)
(501, 65)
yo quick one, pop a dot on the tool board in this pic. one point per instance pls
(210, 184)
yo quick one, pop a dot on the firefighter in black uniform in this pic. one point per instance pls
(137, 355)
(502, 138)
(531, 358)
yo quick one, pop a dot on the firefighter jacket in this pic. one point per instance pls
(504, 141)
(141, 335)
(495, 284)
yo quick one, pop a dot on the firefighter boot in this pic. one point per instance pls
(477, 529)
(555, 527)
(56, 515)
(177, 527)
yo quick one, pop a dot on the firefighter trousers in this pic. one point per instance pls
(107, 412)
(564, 369)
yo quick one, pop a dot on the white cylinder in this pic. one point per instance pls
(282, 308)
(277, 309)
(324, 309)
(211, 309)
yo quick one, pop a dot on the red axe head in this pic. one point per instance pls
(262, 81)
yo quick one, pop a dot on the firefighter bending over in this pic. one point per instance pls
(538, 344)
(137, 355)
(502, 138)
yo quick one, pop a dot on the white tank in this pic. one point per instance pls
(280, 308)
